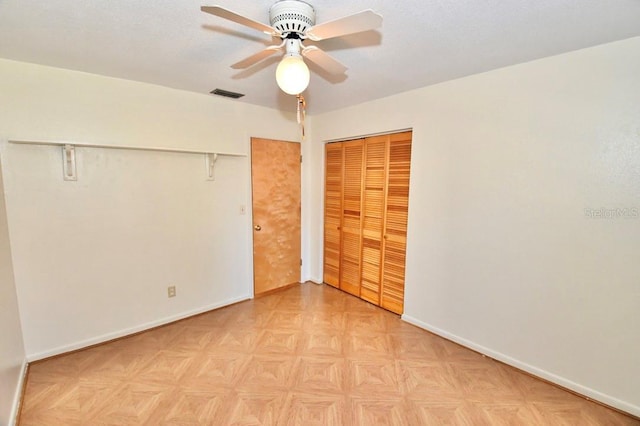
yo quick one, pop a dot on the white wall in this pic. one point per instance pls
(93, 258)
(501, 255)
(12, 356)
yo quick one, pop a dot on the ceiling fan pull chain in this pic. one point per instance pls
(302, 105)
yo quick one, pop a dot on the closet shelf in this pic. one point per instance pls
(69, 155)
(138, 148)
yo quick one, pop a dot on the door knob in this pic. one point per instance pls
(257, 227)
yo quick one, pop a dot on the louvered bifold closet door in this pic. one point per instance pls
(333, 213)
(351, 217)
(395, 232)
(375, 159)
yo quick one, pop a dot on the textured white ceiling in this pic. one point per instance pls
(172, 43)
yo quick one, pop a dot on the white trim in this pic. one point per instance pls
(128, 331)
(17, 395)
(351, 138)
(309, 278)
(566, 383)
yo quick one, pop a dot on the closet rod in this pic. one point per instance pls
(90, 145)
(69, 154)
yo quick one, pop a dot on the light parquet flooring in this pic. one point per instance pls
(309, 355)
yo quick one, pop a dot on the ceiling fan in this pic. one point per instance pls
(295, 21)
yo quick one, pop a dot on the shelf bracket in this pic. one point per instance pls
(210, 162)
(69, 162)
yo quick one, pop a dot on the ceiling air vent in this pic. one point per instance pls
(226, 93)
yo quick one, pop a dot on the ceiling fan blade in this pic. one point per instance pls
(358, 22)
(254, 59)
(323, 60)
(239, 19)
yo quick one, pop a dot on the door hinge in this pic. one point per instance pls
(300, 262)
(301, 158)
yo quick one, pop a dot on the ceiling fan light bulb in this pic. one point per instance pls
(292, 75)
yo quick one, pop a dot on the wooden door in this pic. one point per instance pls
(366, 209)
(333, 213)
(395, 227)
(375, 178)
(275, 182)
(351, 217)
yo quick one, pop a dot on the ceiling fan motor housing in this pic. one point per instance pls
(292, 16)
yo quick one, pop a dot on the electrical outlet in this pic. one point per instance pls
(171, 291)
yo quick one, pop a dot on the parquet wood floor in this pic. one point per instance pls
(309, 355)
